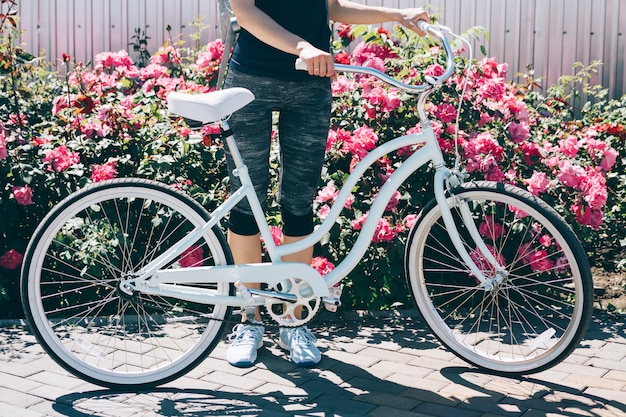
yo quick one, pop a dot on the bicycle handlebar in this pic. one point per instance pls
(437, 31)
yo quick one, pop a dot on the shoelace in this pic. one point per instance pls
(244, 332)
(303, 334)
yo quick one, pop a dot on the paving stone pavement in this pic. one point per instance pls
(379, 366)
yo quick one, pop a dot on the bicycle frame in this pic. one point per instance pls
(171, 282)
(155, 281)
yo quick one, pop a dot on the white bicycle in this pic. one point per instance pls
(496, 273)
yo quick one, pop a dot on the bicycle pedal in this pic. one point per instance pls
(333, 301)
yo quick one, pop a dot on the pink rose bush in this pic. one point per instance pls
(507, 132)
(83, 124)
(80, 124)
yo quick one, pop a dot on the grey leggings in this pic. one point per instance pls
(304, 115)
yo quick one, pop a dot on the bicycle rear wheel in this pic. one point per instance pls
(536, 315)
(71, 277)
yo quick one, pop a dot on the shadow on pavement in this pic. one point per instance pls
(337, 388)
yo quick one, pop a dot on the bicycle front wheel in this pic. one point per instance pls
(536, 314)
(71, 278)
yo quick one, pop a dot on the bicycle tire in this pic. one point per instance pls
(72, 298)
(537, 315)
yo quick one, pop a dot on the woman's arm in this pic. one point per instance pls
(319, 62)
(345, 11)
(263, 27)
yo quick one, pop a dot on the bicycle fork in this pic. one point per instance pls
(443, 176)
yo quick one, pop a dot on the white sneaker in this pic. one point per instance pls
(301, 345)
(245, 340)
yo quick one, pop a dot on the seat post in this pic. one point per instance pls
(232, 145)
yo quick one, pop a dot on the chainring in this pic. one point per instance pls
(297, 313)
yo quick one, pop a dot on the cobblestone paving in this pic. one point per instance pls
(383, 366)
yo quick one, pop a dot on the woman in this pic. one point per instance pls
(274, 33)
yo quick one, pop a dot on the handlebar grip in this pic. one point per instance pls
(423, 25)
(300, 65)
(435, 30)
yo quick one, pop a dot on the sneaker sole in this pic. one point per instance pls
(242, 364)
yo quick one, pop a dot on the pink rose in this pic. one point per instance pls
(375, 95)
(349, 201)
(485, 118)
(445, 112)
(192, 256)
(61, 159)
(11, 259)
(342, 85)
(357, 224)
(410, 220)
(393, 201)
(490, 229)
(492, 89)
(519, 131)
(596, 195)
(540, 261)
(212, 56)
(491, 68)
(610, 157)
(277, 235)
(362, 141)
(532, 153)
(434, 70)
(593, 185)
(23, 195)
(323, 211)
(3, 147)
(587, 216)
(538, 183)
(384, 231)
(495, 174)
(570, 175)
(371, 55)
(569, 146)
(328, 193)
(392, 101)
(546, 240)
(483, 263)
(322, 265)
(153, 71)
(103, 172)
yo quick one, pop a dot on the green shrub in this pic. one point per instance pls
(64, 127)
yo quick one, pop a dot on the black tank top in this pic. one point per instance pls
(305, 18)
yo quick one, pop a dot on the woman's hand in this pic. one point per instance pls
(319, 63)
(410, 17)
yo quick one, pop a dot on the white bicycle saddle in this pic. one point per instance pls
(209, 107)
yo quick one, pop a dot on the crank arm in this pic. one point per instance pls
(290, 298)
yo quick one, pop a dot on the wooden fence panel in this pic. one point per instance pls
(547, 35)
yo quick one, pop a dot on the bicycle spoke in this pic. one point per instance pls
(530, 315)
(109, 335)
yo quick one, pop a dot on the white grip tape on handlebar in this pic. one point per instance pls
(436, 30)
(300, 65)
(423, 25)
